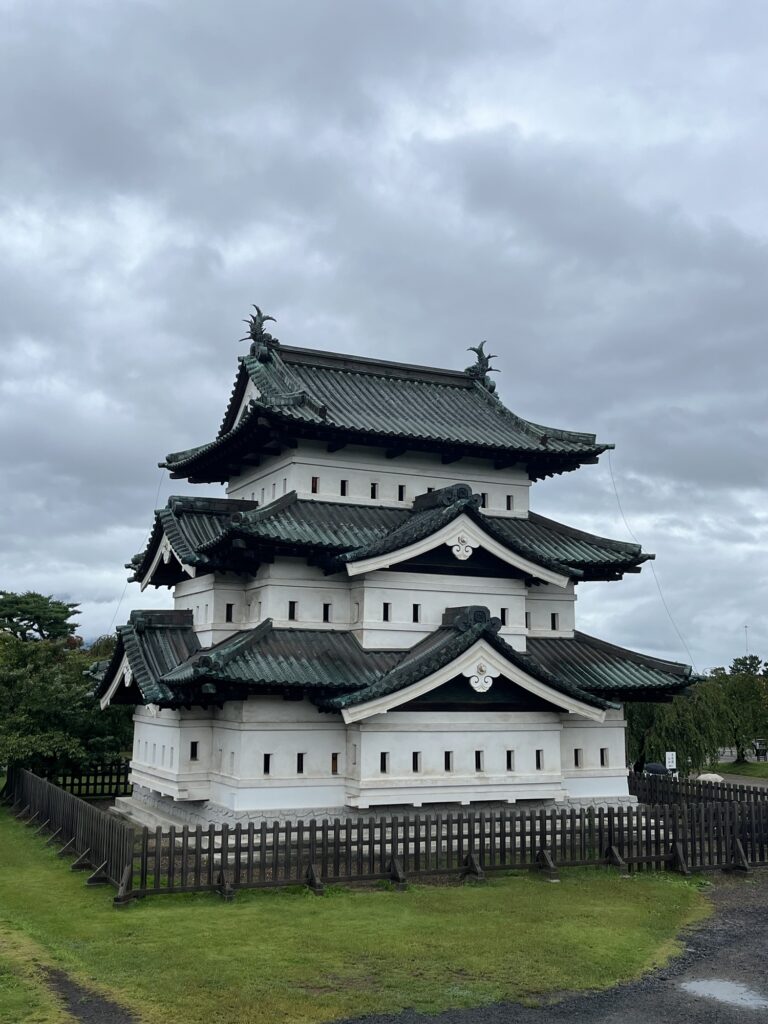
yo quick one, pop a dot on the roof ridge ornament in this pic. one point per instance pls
(480, 370)
(261, 340)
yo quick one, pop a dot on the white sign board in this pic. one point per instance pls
(672, 760)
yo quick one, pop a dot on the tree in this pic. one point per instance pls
(32, 616)
(745, 689)
(49, 718)
(728, 708)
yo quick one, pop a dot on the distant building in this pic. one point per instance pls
(372, 617)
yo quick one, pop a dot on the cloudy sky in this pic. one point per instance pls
(581, 183)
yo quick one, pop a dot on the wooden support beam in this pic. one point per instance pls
(33, 819)
(739, 861)
(614, 858)
(52, 838)
(40, 828)
(544, 862)
(124, 894)
(312, 880)
(65, 848)
(224, 886)
(472, 868)
(396, 452)
(22, 812)
(335, 446)
(82, 863)
(396, 873)
(99, 876)
(679, 863)
(448, 457)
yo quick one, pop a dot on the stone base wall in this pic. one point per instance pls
(144, 803)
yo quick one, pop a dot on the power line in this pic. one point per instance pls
(125, 588)
(651, 565)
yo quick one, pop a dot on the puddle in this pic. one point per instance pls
(730, 992)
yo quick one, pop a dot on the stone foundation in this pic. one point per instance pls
(149, 808)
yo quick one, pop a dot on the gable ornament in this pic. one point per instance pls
(462, 546)
(481, 676)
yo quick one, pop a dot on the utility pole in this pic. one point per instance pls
(746, 639)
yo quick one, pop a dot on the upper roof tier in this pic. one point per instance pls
(221, 534)
(301, 393)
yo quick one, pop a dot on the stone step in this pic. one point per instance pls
(137, 813)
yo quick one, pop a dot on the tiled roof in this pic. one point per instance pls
(311, 393)
(335, 671)
(201, 531)
(154, 642)
(604, 668)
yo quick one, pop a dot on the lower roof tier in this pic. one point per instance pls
(226, 535)
(159, 660)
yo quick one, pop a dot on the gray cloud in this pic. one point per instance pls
(583, 190)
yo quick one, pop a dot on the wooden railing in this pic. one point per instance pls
(101, 782)
(709, 834)
(654, 789)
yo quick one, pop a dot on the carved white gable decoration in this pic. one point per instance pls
(166, 550)
(463, 545)
(481, 676)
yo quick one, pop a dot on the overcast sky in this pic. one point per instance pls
(581, 183)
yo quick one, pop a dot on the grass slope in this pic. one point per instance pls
(753, 769)
(294, 957)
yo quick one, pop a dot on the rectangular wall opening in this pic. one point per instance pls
(334, 764)
(479, 760)
(315, 486)
(299, 764)
(504, 616)
(416, 761)
(578, 757)
(416, 613)
(374, 490)
(384, 762)
(448, 760)
(510, 760)
(386, 611)
(401, 492)
(326, 613)
(510, 502)
(527, 620)
(267, 764)
(293, 611)
(229, 612)
(343, 488)
(193, 750)
(554, 620)
(484, 499)
(603, 757)
(539, 760)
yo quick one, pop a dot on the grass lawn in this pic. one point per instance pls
(295, 957)
(754, 769)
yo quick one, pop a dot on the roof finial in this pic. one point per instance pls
(261, 339)
(480, 370)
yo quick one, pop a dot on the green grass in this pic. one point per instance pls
(295, 957)
(754, 769)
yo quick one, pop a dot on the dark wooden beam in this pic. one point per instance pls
(448, 457)
(335, 446)
(396, 452)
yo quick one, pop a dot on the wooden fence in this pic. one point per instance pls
(102, 782)
(101, 842)
(711, 834)
(658, 789)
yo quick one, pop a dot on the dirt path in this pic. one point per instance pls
(728, 949)
(85, 1006)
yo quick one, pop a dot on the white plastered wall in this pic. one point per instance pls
(361, 467)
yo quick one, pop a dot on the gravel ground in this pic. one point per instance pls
(730, 947)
